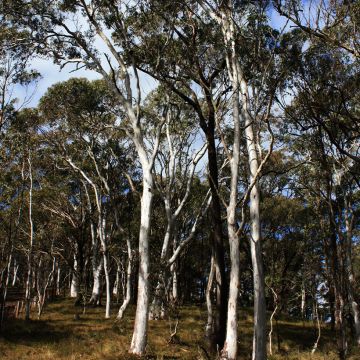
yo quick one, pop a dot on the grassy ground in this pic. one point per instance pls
(58, 336)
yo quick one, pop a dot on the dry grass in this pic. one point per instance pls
(57, 336)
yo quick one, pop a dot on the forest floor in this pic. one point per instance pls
(57, 336)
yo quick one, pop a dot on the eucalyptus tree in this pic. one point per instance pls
(93, 34)
(254, 77)
(186, 56)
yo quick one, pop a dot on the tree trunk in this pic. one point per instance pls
(218, 242)
(58, 279)
(338, 294)
(303, 302)
(74, 289)
(16, 268)
(5, 286)
(31, 246)
(229, 351)
(107, 284)
(210, 318)
(259, 337)
(127, 296)
(139, 338)
(174, 294)
(349, 225)
(96, 290)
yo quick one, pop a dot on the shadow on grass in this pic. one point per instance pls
(19, 331)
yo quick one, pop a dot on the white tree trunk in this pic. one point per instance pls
(229, 351)
(58, 279)
(31, 246)
(15, 268)
(127, 296)
(139, 338)
(259, 338)
(104, 243)
(107, 285)
(303, 301)
(96, 290)
(175, 294)
(74, 288)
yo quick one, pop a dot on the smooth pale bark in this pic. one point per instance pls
(139, 338)
(174, 293)
(174, 275)
(107, 285)
(97, 264)
(127, 296)
(15, 271)
(96, 289)
(229, 351)
(259, 338)
(104, 243)
(303, 303)
(74, 288)
(58, 279)
(31, 247)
